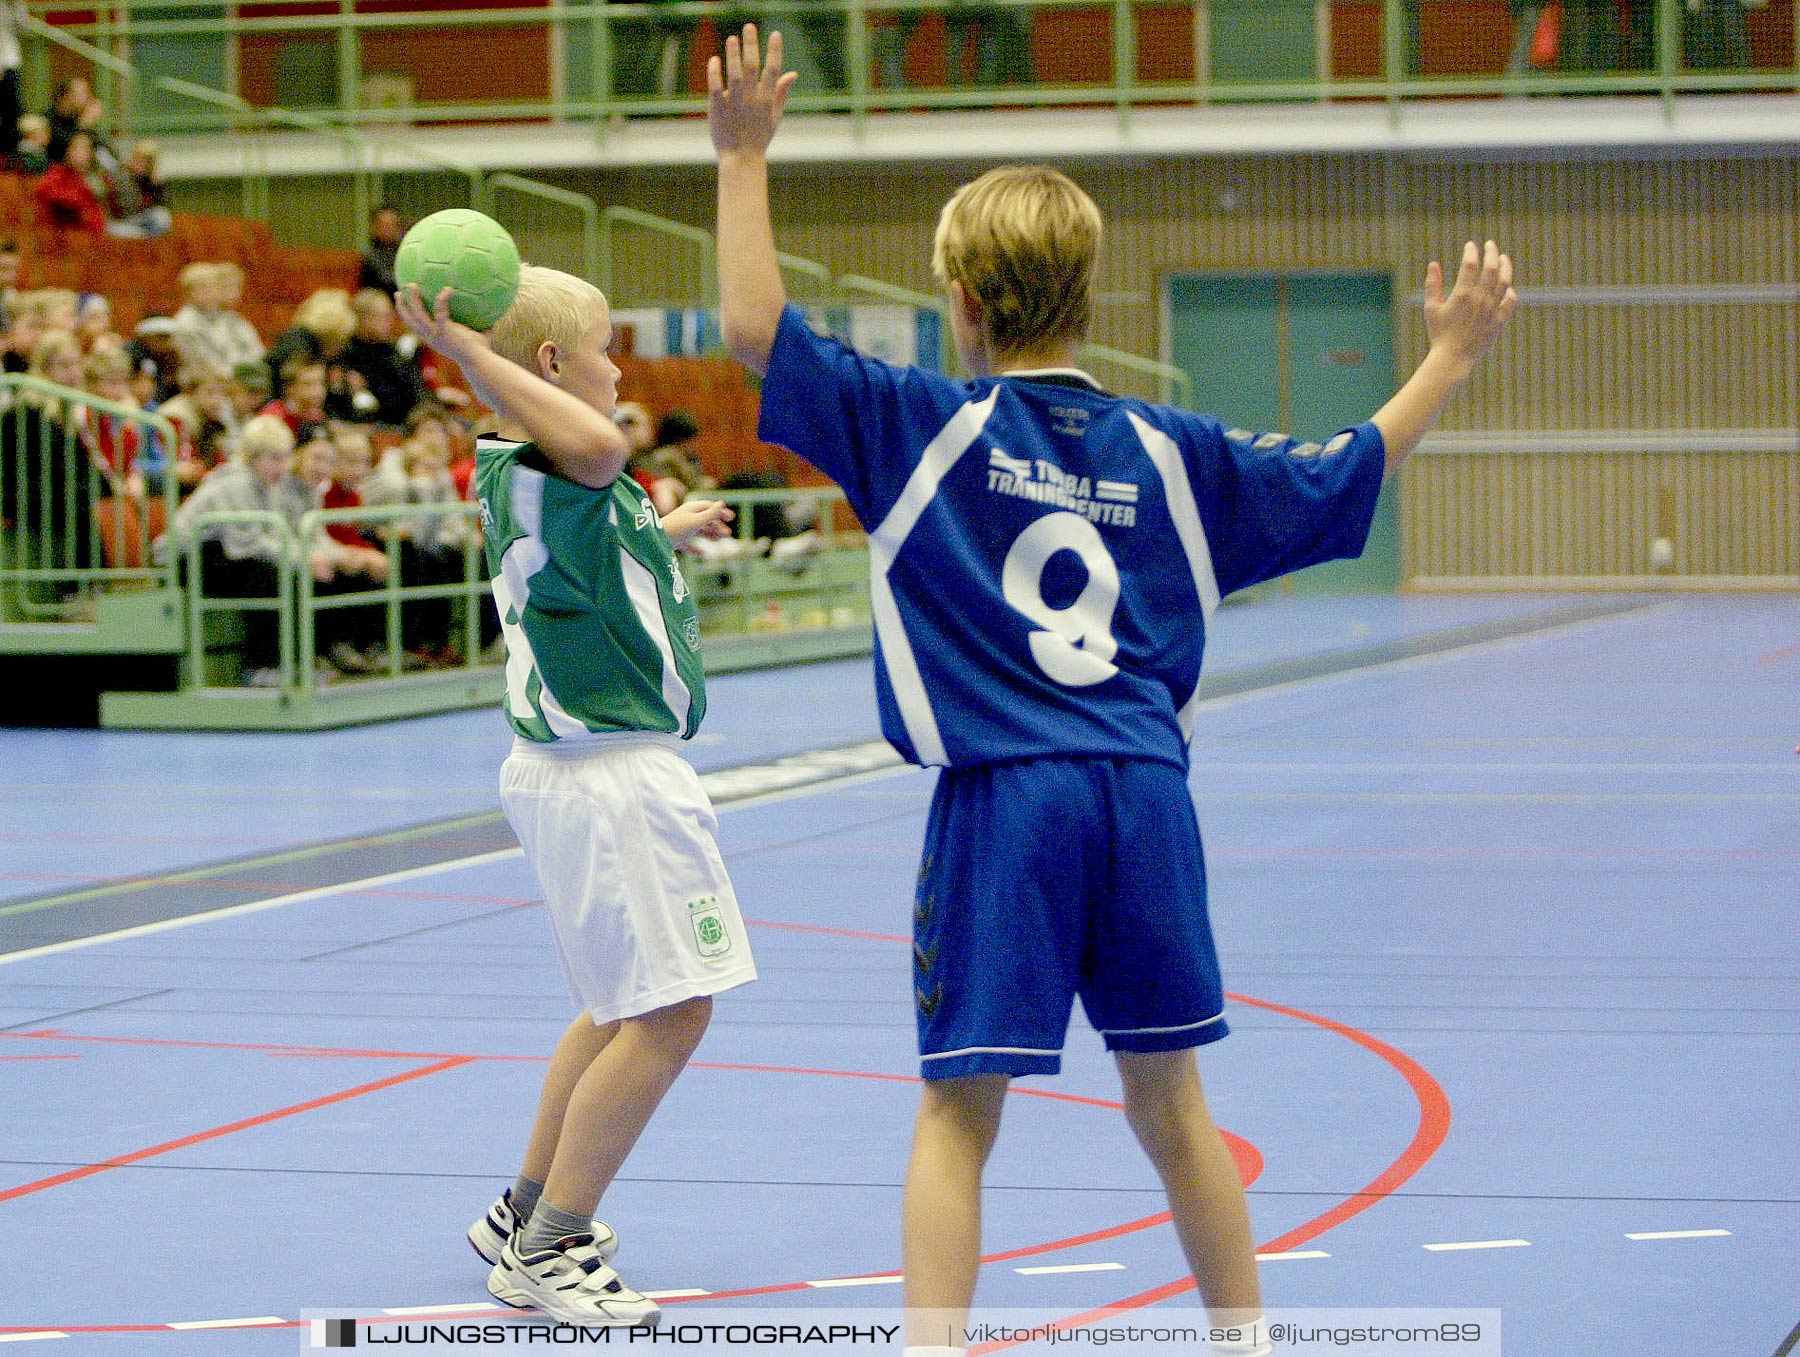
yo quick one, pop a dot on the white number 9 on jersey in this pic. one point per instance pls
(1076, 646)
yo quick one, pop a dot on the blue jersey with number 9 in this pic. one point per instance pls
(1045, 557)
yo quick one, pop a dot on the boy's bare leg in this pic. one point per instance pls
(613, 1100)
(1167, 1111)
(580, 1043)
(941, 1217)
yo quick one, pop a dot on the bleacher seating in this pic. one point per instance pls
(140, 276)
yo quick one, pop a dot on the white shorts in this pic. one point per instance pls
(621, 838)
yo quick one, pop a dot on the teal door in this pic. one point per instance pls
(1306, 354)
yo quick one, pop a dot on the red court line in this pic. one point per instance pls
(40, 1057)
(1434, 1126)
(1776, 656)
(829, 932)
(262, 1119)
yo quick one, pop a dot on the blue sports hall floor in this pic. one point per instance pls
(1505, 889)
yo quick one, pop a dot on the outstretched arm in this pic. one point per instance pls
(747, 96)
(583, 445)
(1462, 327)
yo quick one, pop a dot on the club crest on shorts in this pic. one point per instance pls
(709, 926)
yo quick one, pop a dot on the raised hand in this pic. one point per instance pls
(746, 94)
(697, 518)
(433, 326)
(1464, 325)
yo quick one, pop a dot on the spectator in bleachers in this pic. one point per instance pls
(74, 110)
(153, 342)
(93, 322)
(68, 193)
(13, 16)
(380, 384)
(377, 267)
(665, 492)
(301, 405)
(350, 469)
(31, 144)
(675, 456)
(209, 330)
(205, 399)
(991, 43)
(249, 389)
(344, 638)
(22, 334)
(12, 263)
(431, 547)
(43, 460)
(76, 194)
(244, 560)
(650, 56)
(322, 326)
(116, 444)
(61, 308)
(138, 196)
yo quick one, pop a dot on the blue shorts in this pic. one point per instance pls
(1051, 878)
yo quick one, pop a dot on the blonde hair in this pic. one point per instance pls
(51, 346)
(106, 365)
(371, 301)
(196, 276)
(1023, 240)
(327, 314)
(552, 307)
(265, 434)
(346, 437)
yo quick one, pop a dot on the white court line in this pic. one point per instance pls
(891, 1279)
(1069, 1267)
(460, 1308)
(255, 1322)
(27, 1337)
(414, 873)
(1481, 1244)
(1680, 1234)
(1292, 1257)
(257, 906)
(680, 1293)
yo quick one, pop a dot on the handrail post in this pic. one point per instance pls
(1124, 61)
(600, 53)
(1668, 52)
(349, 64)
(1393, 55)
(856, 56)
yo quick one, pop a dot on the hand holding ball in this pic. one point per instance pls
(468, 252)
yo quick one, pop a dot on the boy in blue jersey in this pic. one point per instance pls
(1044, 560)
(603, 683)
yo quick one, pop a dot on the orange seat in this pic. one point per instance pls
(127, 528)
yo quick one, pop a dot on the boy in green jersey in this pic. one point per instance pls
(603, 682)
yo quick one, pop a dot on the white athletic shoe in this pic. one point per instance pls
(571, 1282)
(488, 1235)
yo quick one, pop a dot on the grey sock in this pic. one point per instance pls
(547, 1225)
(525, 1194)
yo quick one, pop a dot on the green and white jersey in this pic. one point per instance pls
(601, 633)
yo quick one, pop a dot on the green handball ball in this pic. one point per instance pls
(468, 252)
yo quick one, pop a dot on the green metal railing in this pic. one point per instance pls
(72, 529)
(596, 257)
(590, 27)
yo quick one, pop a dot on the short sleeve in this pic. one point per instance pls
(862, 422)
(1272, 504)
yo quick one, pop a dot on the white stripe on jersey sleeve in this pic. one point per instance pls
(1178, 492)
(942, 453)
(524, 558)
(640, 585)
